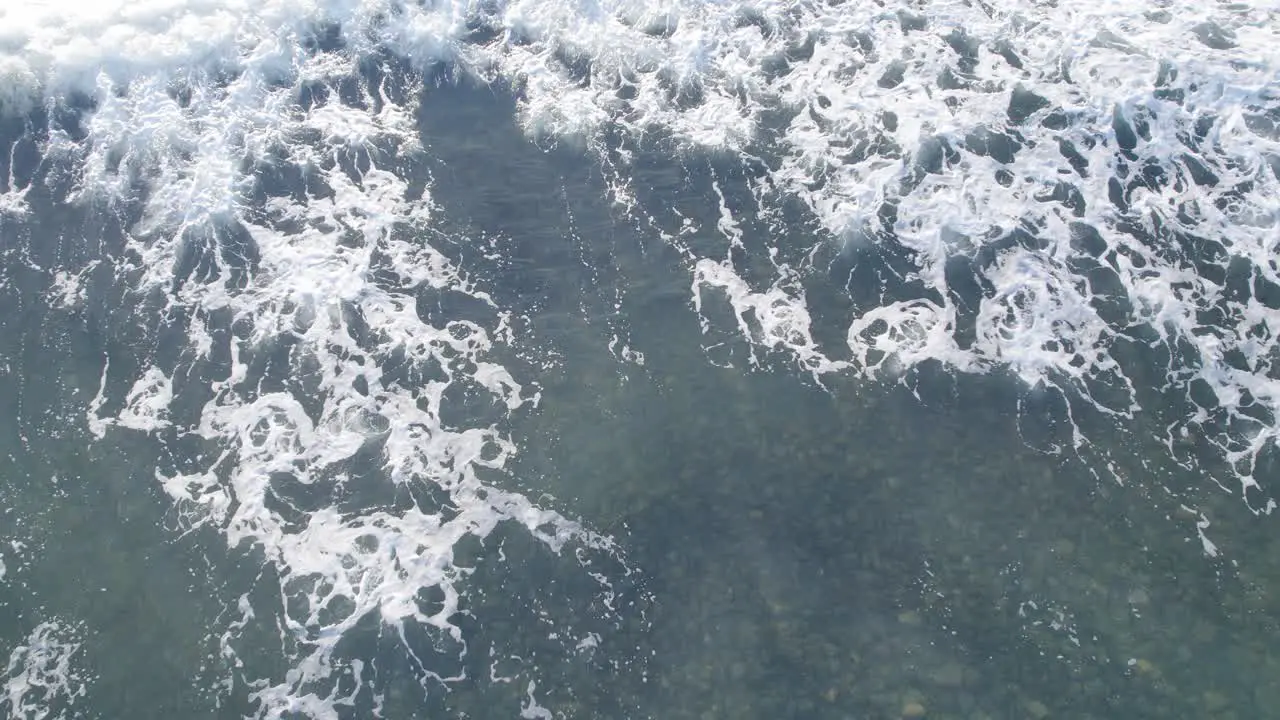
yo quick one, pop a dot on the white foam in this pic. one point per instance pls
(531, 710)
(856, 141)
(147, 405)
(776, 319)
(1039, 323)
(13, 194)
(895, 337)
(40, 681)
(191, 97)
(68, 288)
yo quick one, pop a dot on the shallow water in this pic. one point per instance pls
(519, 361)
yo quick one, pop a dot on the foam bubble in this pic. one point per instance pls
(40, 679)
(776, 319)
(893, 338)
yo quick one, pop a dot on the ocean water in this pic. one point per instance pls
(607, 359)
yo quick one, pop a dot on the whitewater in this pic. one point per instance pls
(391, 324)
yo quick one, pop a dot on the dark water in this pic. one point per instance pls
(843, 549)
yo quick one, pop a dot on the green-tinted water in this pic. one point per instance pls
(849, 549)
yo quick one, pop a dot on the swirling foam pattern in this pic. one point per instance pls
(1104, 175)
